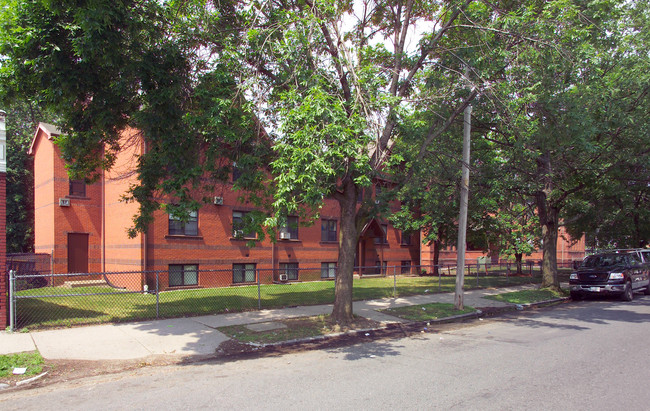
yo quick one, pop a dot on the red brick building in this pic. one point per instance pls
(85, 227)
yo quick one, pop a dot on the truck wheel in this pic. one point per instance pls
(628, 294)
(575, 296)
(647, 290)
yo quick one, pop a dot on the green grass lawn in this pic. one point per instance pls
(425, 312)
(51, 306)
(526, 296)
(30, 360)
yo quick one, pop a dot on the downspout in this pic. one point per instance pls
(103, 208)
(143, 264)
(272, 261)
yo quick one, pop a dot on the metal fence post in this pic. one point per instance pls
(52, 269)
(259, 290)
(478, 271)
(157, 297)
(12, 302)
(395, 282)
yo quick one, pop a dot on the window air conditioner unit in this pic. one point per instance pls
(284, 235)
(284, 277)
(64, 202)
(217, 200)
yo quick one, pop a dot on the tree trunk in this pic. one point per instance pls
(518, 258)
(436, 256)
(348, 238)
(549, 215)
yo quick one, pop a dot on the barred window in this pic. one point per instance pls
(243, 273)
(328, 230)
(78, 188)
(328, 270)
(183, 274)
(239, 226)
(290, 269)
(189, 227)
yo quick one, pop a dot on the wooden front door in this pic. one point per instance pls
(77, 253)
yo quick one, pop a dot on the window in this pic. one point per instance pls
(328, 230)
(380, 267)
(384, 238)
(290, 269)
(78, 188)
(243, 273)
(236, 172)
(406, 238)
(290, 230)
(183, 274)
(405, 267)
(328, 270)
(189, 227)
(239, 225)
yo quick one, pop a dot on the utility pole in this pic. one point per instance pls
(462, 218)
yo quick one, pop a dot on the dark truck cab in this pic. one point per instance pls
(610, 273)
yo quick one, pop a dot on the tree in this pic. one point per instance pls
(566, 114)
(306, 97)
(517, 230)
(22, 118)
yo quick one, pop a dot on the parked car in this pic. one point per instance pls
(617, 273)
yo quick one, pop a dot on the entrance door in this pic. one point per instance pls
(77, 253)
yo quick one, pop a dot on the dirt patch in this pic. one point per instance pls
(292, 329)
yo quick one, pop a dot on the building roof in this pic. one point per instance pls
(49, 130)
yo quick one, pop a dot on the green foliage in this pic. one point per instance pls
(30, 360)
(22, 118)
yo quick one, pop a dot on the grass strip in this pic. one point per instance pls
(30, 360)
(526, 296)
(425, 312)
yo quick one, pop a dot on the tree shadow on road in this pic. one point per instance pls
(592, 311)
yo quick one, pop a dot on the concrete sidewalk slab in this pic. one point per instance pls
(180, 336)
(98, 342)
(252, 317)
(11, 343)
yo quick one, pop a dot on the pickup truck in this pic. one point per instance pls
(610, 273)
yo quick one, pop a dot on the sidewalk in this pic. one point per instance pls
(198, 335)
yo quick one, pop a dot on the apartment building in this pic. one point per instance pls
(84, 226)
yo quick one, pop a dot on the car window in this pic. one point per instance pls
(634, 259)
(646, 256)
(604, 260)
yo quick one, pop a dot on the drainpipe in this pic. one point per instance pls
(103, 208)
(272, 261)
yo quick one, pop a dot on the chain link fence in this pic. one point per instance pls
(54, 300)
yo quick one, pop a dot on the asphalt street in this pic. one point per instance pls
(589, 355)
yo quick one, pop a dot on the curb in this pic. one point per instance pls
(405, 327)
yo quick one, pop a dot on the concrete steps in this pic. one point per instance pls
(85, 283)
